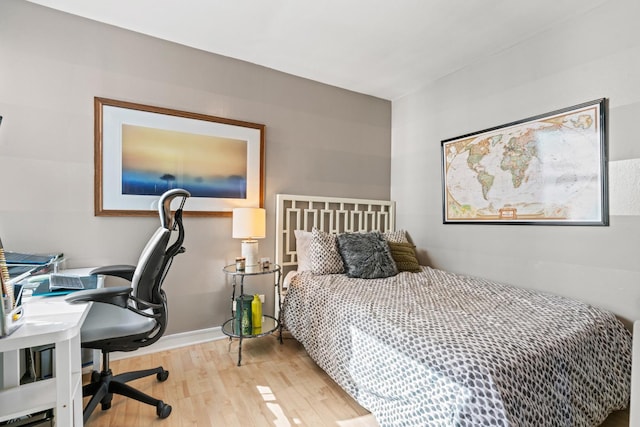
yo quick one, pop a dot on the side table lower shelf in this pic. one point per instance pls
(231, 329)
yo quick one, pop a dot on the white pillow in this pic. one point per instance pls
(303, 240)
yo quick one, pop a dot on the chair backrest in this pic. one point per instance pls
(147, 275)
(156, 258)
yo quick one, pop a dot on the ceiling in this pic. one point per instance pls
(383, 48)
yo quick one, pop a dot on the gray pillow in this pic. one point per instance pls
(366, 255)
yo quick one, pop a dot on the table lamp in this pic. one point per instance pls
(249, 224)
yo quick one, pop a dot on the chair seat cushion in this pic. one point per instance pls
(106, 321)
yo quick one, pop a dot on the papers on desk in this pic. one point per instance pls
(45, 289)
(28, 259)
(15, 266)
(70, 282)
(21, 265)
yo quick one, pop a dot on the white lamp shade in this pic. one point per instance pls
(249, 223)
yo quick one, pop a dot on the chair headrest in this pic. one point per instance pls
(164, 205)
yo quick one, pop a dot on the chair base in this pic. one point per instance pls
(104, 385)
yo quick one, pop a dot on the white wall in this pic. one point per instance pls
(593, 55)
(320, 140)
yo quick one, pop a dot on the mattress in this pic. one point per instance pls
(439, 349)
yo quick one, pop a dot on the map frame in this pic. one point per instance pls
(589, 138)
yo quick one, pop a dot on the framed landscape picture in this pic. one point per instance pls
(143, 151)
(548, 169)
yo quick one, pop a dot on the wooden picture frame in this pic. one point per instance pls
(550, 169)
(141, 151)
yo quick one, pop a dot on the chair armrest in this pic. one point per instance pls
(122, 271)
(118, 296)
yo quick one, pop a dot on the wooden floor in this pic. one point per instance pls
(277, 385)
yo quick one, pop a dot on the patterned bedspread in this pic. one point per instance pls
(439, 349)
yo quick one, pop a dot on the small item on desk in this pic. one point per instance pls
(11, 320)
(18, 290)
(5, 282)
(65, 281)
(264, 262)
(11, 312)
(240, 263)
(40, 285)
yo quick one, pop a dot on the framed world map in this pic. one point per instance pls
(548, 169)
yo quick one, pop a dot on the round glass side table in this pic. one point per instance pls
(232, 327)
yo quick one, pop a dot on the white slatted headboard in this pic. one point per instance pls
(330, 214)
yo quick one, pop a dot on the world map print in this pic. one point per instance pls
(545, 169)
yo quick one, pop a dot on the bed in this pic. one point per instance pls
(432, 348)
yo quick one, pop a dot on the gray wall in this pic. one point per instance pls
(320, 140)
(593, 55)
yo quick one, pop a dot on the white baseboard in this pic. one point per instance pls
(172, 341)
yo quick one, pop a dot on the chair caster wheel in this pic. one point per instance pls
(163, 410)
(106, 406)
(162, 376)
(95, 376)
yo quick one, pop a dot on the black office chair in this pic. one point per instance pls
(129, 317)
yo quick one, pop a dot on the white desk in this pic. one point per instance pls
(48, 320)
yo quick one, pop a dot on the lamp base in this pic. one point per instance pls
(250, 252)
